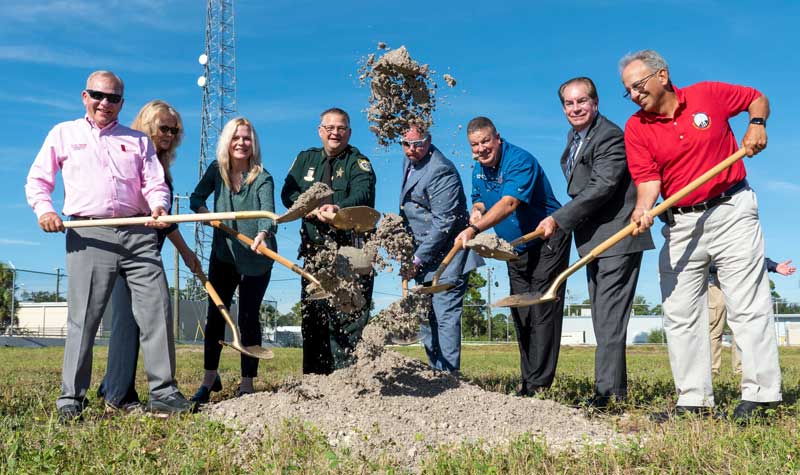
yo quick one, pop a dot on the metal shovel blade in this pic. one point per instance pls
(253, 351)
(525, 300)
(357, 218)
(432, 289)
(492, 252)
(401, 341)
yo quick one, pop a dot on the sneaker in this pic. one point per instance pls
(175, 403)
(125, 407)
(70, 413)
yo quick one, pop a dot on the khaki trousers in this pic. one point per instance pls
(716, 320)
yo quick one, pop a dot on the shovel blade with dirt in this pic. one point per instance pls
(355, 218)
(524, 300)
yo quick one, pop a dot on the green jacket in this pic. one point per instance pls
(352, 180)
(258, 196)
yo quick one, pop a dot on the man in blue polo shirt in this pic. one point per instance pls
(511, 193)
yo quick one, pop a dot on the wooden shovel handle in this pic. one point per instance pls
(405, 288)
(528, 237)
(264, 250)
(172, 218)
(446, 262)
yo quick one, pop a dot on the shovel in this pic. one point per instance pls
(356, 218)
(254, 351)
(435, 286)
(535, 298)
(501, 255)
(172, 218)
(267, 252)
(297, 211)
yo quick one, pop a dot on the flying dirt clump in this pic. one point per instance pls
(402, 91)
(309, 200)
(339, 278)
(397, 322)
(393, 237)
(491, 242)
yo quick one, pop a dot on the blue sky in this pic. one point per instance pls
(296, 58)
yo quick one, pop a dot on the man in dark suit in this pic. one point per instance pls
(434, 207)
(603, 198)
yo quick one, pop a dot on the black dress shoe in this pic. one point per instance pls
(70, 413)
(747, 411)
(241, 392)
(203, 394)
(682, 411)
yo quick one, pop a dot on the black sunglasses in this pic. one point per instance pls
(165, 128)
(99, 96)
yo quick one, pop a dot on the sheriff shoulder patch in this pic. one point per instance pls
(364, 165)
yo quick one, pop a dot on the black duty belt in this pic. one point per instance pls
(711, 202)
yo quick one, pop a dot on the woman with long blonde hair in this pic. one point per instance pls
(164, 126)
(239, 182)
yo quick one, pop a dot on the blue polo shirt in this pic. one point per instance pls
(518, 175)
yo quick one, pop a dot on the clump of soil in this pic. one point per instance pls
(395, 406)
(402, 91)
(397, 322)
(309, 200)
(490, 243)
(450, 80)
(338, 277)
(393, 237)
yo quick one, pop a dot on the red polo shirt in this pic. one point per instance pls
(677, 150)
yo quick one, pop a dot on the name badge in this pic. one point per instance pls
(309, 175)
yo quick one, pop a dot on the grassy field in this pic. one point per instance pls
(32, 441)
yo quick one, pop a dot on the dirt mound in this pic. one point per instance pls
(398, 406)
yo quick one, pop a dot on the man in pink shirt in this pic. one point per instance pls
(109, 171)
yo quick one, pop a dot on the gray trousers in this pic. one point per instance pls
(612, 285)
(95, 258)
(730, 235)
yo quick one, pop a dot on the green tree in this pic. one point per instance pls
(6, 281)
(640, 305)
(780, 304)
(474, 316)
(42, 296)
(657, 310)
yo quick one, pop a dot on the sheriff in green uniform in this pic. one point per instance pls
(330, 336)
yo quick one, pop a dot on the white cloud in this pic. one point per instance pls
(38, 54)
(783, 186)
(18, 242)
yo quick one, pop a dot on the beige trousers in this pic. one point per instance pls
(716, 322)
(728, 234)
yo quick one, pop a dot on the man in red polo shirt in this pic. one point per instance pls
(676, 136)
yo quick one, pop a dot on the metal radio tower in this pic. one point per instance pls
(219, 102)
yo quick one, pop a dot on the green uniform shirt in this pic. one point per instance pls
(352, 180)
(257, 196)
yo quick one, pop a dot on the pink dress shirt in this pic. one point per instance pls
(108, 173)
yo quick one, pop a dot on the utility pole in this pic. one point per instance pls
(13, 296)
(489, 301)
(58, 283)
(176, 295)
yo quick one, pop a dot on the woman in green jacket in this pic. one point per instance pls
(239, 183)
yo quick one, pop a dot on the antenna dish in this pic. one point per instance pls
(203, 59)
(201, 81)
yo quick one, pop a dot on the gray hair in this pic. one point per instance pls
(481, 123)
(107, 74)
(649, 57)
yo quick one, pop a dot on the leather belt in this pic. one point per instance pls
(711, 202)
(89, 218)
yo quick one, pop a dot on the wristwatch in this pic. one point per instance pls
(759, 121)
(475, 228)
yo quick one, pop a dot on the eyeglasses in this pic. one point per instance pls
(165, 128)
(334, 128)
(99, 96)
(638, 86)
(414, 143)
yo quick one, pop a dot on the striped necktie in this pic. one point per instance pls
(573, 149)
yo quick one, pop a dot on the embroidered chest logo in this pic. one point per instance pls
(701, 120)
(309, 174)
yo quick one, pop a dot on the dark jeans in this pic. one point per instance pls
(225, 279)
(539, 326)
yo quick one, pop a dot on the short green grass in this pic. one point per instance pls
(32, 441)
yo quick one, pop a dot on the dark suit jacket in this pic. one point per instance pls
(433, 205)
(602, 191)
